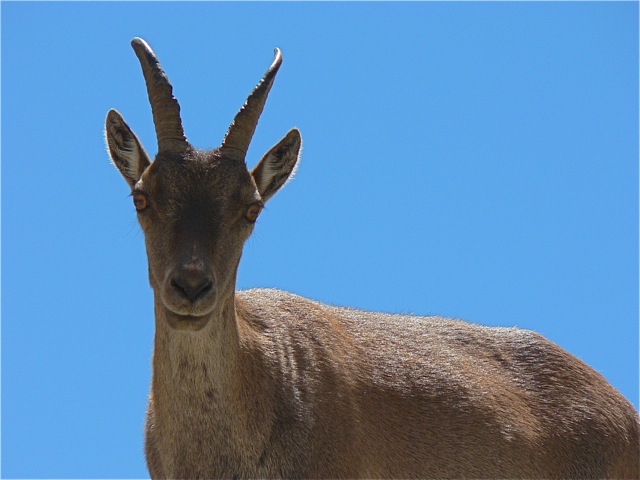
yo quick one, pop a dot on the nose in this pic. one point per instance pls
(192, 283)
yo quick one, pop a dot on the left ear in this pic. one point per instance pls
(278, 164)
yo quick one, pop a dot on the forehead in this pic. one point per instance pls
(203, 174)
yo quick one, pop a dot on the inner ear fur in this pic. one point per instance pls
(278, 164)
(125, 149)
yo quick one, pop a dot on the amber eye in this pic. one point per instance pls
(140, 201)
(253, 211)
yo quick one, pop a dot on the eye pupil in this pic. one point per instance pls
(252, 212)
(139, 201)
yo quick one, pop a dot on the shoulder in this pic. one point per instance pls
(276, 310)
(272, 298)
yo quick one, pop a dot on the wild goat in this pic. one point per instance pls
(266, 384)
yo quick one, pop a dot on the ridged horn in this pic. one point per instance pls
(164, 106)
(236, 141)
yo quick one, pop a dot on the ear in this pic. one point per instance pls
(278, 164)
(126, 151)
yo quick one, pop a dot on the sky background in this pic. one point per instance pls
(473, 160)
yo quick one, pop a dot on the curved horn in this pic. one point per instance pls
(165, 108)
(236, 141)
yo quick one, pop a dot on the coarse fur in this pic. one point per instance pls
(267, 384)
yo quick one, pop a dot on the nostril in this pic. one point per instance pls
(192, 289)
(206, 287)
(177, 286)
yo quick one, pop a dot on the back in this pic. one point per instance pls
(376, 395)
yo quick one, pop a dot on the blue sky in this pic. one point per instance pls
(474, 160)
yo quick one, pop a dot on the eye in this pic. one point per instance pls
(253, 211)
(140, 201)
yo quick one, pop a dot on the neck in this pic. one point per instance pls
(191, 363)
(205, 385)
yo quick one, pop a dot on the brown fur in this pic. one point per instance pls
(267, 384)
(291, 388)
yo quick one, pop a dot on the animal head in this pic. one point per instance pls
(196, 207)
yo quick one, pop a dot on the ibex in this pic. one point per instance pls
(266, 384)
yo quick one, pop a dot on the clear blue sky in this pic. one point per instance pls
(475, 160)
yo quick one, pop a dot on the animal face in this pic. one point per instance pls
(196, 208)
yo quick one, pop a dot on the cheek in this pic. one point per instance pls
(158, 255)
(228, 249)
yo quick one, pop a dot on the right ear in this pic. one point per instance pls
(126, 151)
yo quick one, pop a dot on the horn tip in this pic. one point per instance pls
(277, 56)
(140, 45)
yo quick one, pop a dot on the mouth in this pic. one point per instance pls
(179, 321)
